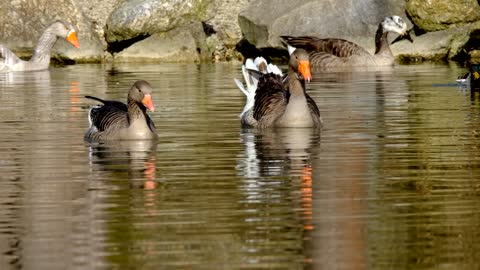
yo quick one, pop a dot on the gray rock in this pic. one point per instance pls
(223, 18)
(97, 12)
(264, 21)
(134, 18)
(185, 44)
(23, 21)
(442, 14)
(438, 45)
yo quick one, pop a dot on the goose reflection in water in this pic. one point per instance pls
(136, 157)
(273, 153)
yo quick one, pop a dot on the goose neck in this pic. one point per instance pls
(296, 84)
(41, 52)
(135, 110)
(381, 42)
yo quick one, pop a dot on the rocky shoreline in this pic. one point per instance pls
(215, 31)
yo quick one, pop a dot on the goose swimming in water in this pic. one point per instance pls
(274, 100)
(335, 52)
(41, 55)
(115, 120)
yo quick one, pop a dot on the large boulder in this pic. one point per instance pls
(134, 18)
(453, 43)
(222, 29)
(97, 12)
(442, 14)
(23, 21)
(178, 45)
(264, 21)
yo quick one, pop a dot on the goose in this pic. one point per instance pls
(274, 100)
(115, 120)
(41, 55)
(335, 52)
(471, 79)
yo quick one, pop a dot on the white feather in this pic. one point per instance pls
(291, 49)
(90, 114)
(251, 82)
(271, 68)
(258, 61)
(249, 64)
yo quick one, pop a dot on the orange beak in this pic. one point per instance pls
(304, 69)
(72, 38)
(147, 101)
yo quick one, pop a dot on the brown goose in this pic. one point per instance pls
(115, 120)
(282, 101)
(334, 52)
(41, 55)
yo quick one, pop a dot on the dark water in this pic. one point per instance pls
(391, 182)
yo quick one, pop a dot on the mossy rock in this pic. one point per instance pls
(442, 14)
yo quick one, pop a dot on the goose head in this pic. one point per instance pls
(394, 24)
(65, 30)
(141, 92)
(300, 63)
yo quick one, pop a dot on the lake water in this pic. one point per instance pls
(392, 181)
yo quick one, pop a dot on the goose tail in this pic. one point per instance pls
(250, 71)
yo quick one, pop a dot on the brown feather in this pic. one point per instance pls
(271, 99)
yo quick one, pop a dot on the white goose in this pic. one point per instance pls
(41, 55)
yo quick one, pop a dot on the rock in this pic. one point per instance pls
(442, 14)
(223, 31)
(23, 21)
(451, 43)
(185, 44)
(97, 12)
(224, 20)
(134, 18)
(264, 21)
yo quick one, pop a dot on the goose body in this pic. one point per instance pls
(114, 120)
(334, 52)
(280, 101)
(41, 56)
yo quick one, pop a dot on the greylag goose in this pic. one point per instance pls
(334, 52)
(274, 100)
(41, 55)
(115, 120)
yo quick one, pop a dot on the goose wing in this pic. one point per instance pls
(113, 103)
(334, 46)
(111, 115)
(322, 59)
(271, 99)
(314, 111)
(151, 124)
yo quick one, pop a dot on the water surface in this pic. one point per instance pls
(390, 182)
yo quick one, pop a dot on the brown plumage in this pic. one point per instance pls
(334, 52)
(282, 101)
(115, 120)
